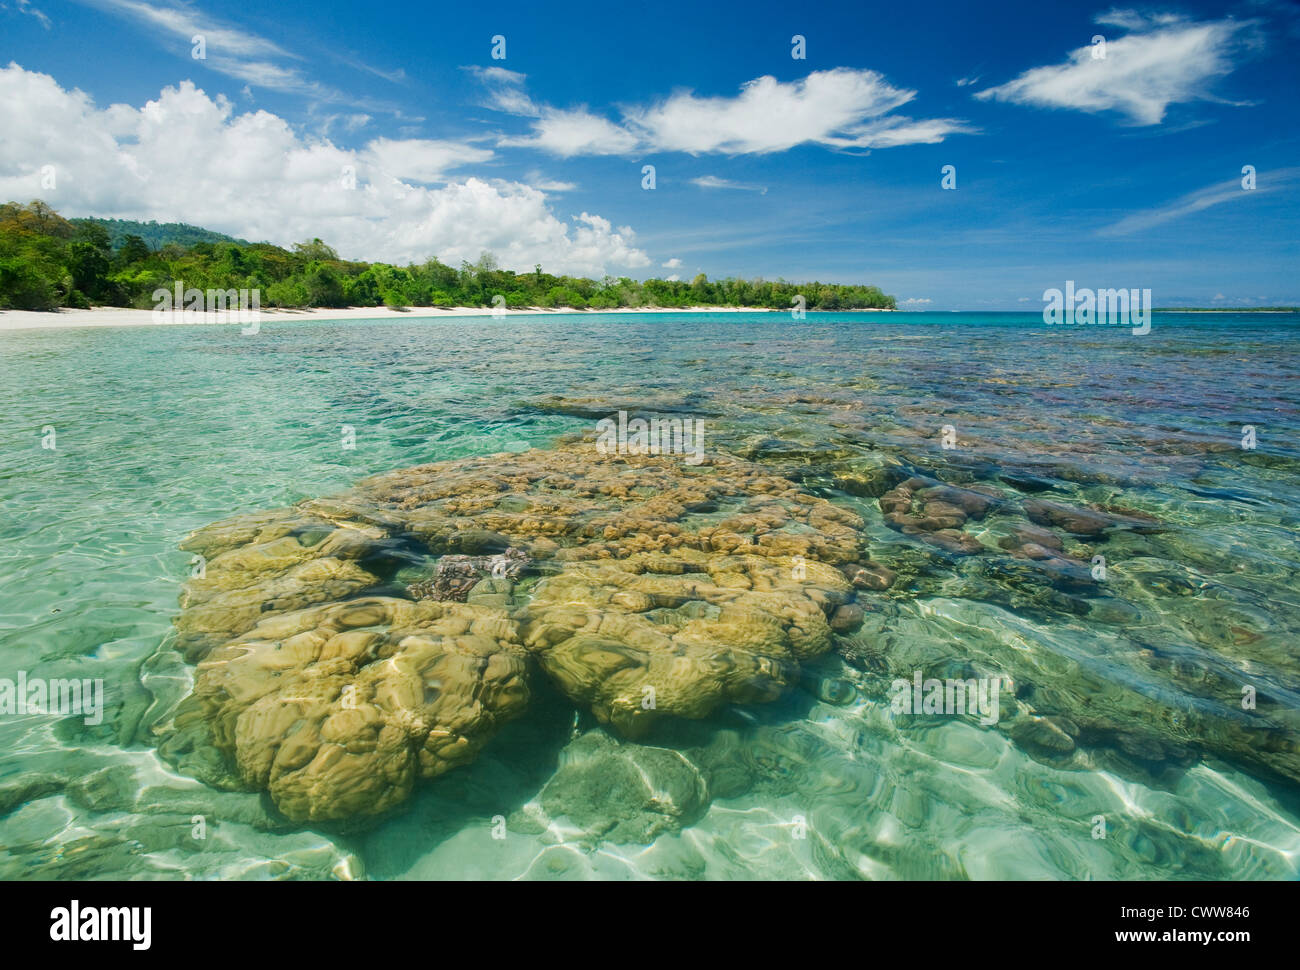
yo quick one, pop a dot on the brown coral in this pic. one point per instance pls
(666, 589)
(337, 709)
(650, 635)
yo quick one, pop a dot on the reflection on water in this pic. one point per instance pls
(1071, 516)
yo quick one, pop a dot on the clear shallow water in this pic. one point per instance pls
(162, 431)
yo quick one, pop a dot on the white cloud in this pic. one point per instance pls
(839, 108)
(505, 91)
(713, 182)
(187, 157)
(576, 132)
(185, 22)
(1165, 60)
(25, 6)
(1211, 195)
(421, 159)
(673, 263)
(1135, 20)
(674, 278)
(915, 301)
(965, 81)
(241, 54)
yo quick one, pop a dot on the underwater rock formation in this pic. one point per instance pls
(457, 575)
(936, 513)
(648, 588)
(337, 709)
(623, 793)
(654, 588)
(650, 635)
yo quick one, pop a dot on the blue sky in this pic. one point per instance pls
(392, 132)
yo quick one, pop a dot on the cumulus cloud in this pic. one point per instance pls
(839, 108)
(188, 157)
(673, 263)
(421, 159)
(1164, 60)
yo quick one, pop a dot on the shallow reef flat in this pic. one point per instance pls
(334, 674)
(477, 647)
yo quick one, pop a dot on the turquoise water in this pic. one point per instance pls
(160, 431)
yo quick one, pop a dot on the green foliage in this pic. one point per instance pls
(155, 235)
(47, 262)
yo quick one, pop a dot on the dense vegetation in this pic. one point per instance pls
(47, 262)
(156, 235)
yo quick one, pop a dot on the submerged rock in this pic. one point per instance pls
(624, 793)
(936, 513)
(337, 710)
(1081, 521)
(457, 575)
(666, 589)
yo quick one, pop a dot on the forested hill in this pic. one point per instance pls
(156, 235)
(47, 262)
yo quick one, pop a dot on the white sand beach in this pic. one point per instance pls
(126, 317)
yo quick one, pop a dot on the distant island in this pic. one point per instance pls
(1231, 309)
(48, 262)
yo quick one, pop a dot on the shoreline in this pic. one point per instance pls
(106, 316)
(129, 317)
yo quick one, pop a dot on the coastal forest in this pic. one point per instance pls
(48, 262)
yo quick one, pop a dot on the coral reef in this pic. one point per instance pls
(936, 513)
(654, 588)
(457, 575)
(337, 709)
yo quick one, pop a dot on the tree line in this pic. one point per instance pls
(47, 262)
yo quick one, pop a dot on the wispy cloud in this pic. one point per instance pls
(842, 108)
(1164, 60)
(551, 185)
(1212, 195)
(244, 55)
(25, 6)
(713, 182)
(505, 91)
(576, 132)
